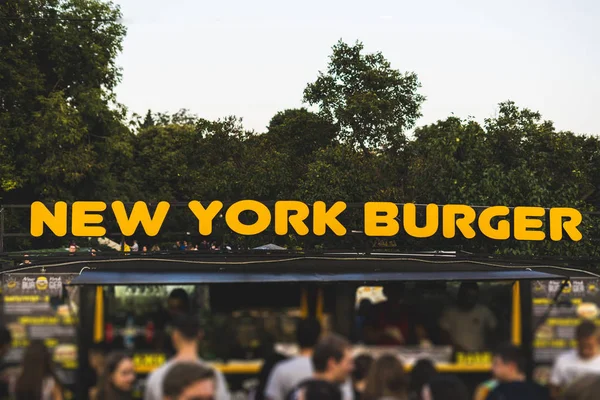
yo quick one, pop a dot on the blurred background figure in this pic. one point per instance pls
(423, 371)
(445, 388)
(5, 344)
(386, 380)
(97, 360)
(509, 370)
(287, 374)
(320, 390)
(468, 326)
(37, 379)
(189, 381)
(579, 362)
(585, 388)
(362, 365)
(117, 379)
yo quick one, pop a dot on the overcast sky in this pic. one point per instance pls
(254, 58)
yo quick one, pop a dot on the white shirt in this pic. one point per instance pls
(289, 373)
(154, 384)
(467, 328)
(569, 367)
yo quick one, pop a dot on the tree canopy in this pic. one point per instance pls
(64, 137)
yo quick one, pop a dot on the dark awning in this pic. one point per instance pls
(88, 277)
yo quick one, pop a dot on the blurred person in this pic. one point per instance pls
(508, 368)
(178, 303)
(468, 324)
(386, 380)
(271, 359)
(320, 390)
(37, 379)
(97, 361)
(5, 345)
(364, 310)
(483, 390)
(573, 364)
(287, 374)
(362, 365)
(443, 387)
(584, 388)
(422, 372)
(155, 248)
(145, 249)
(185, 336)
(117, 379)
(389, 322)
(189, 381)
(331, 362)
(135, 246)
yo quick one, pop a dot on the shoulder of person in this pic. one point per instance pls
(570, 355)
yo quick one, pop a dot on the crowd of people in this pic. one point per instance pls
(133, 246)
(324, 369)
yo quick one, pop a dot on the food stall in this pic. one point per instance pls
(250, 301)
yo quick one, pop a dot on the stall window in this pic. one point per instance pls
(454, 321)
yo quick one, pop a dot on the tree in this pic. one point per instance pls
(372, 103)
(62, 128)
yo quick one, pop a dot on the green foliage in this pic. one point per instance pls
(64, 137)
(372, 103)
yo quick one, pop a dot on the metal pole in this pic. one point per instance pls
(2, 230)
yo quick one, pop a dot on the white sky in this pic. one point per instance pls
(254, 58)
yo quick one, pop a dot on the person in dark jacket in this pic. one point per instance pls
(508, 368)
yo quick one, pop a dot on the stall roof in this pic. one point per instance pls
(88, 277)
(279, 267)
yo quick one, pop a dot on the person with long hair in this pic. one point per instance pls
(117, 380)
(37, 379)
(386, 380)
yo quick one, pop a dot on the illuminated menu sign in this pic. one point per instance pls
(558, 320)
(34, 310)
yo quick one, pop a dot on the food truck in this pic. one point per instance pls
(250, 301)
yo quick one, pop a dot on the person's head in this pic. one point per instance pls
(443, 387)
(423, 371)
(320, 390)
(119, 373)
(186, 332)
(508, 364)
(386, 379)
(587, 340)
(37, 365)
(332, 358)
(178, 302)
(97, 356)
(5, 341)
(308, 332)
(362, 365)
(394, 292)
(145, 248)
(468, 294)
(189, 381)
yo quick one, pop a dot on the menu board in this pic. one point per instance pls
(579, 299)
(36, 308)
